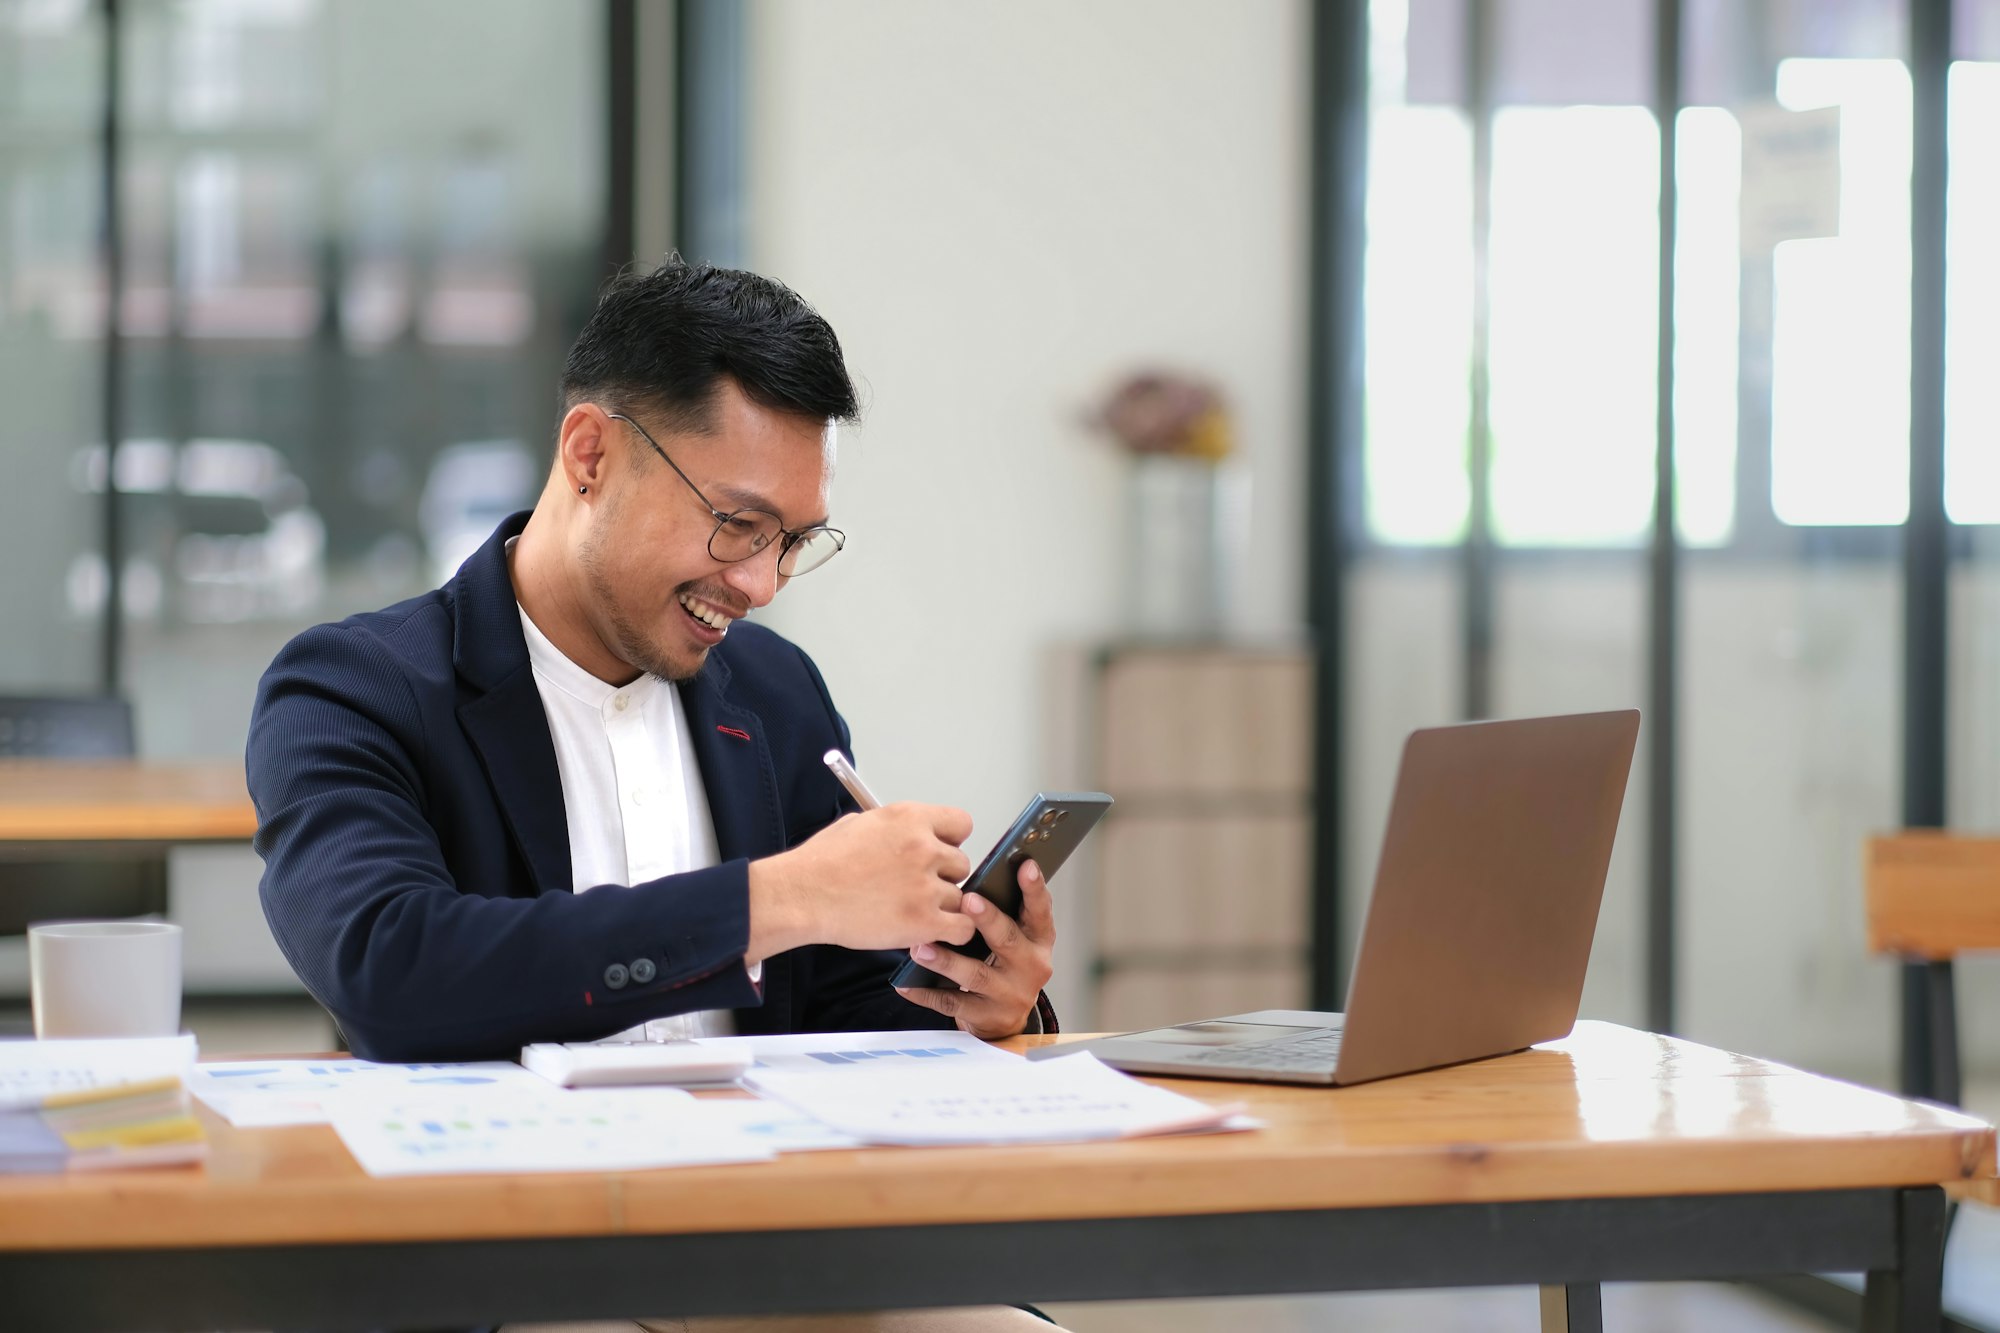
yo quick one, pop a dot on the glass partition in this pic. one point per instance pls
(1403, 607)
(1791, 654)
(51, 334)
(1972, 494)
(356, 241)
(360, 237)
(1573, 263)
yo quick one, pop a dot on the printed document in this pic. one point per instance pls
(261, 1093)
(507, 1129)
(773, 1124)
(932, 1050)
(33, 1070)
(1073, 1099)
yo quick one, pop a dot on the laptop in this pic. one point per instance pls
(1479, 932)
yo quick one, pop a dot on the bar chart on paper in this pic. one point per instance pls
(833, 1050)
(264, 1093)
(552, 1130)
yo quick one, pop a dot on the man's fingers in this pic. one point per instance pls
(970, 974)
(955, 927)
(985, 1013)
(1038, 908)
(973, 1013)
(950, 823)
(954, 865)
(1002, 936)
(946, 1002)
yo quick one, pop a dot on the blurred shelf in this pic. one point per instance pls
(1204, 864)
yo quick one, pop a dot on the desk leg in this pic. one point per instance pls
(1909, 1298)
(1576, 1308)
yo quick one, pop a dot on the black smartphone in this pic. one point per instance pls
(1054, 825)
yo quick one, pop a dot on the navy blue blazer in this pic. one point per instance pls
(416, 855)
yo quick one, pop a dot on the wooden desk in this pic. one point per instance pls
(120, 806)
(1612, 1155)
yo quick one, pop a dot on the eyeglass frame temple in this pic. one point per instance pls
(791, 538)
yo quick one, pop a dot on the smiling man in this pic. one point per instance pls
(576, 793)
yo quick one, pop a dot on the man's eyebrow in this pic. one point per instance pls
(744, 498)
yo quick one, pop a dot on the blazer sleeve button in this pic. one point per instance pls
(616, 976)
(643, 971)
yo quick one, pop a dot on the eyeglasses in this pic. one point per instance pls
(742, 533)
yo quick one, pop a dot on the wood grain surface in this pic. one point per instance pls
(124, 801)
(1933, 894)
(1606, 1112)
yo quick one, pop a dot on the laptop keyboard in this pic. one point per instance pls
(1314, 1048)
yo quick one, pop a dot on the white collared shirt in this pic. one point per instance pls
(632, 793)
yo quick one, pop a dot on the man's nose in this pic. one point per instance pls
(757, 578)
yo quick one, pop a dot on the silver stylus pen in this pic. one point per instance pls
(851, 780)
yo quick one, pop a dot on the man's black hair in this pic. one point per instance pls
(662, 342)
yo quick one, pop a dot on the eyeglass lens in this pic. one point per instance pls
(749, 531)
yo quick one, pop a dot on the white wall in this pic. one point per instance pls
(1002, 208)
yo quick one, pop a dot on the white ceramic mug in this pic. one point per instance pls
(105, 978)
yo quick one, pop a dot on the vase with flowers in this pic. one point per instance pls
(1187, 502)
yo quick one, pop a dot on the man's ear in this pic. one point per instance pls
(580, 446)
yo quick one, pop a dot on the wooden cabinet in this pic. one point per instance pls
(1203, 866)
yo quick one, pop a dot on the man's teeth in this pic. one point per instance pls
(705, 613)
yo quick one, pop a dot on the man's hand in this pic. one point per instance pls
(885, 879)
(996, 996)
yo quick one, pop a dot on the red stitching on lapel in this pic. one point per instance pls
(732, 731)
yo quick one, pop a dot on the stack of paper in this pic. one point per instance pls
(126, 1124)
(1072, 1099)
(816, 1091)
(33, 1070)
(437, 1119)
(722, 1060)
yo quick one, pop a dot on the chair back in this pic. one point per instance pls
(83, 728)
(1932, 895)
(97, 727)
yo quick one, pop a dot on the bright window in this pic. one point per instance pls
(1575, 275)
(1573, 320)
(1708, 174)
(1840, 334)
(1418, 320)
(1972, 299)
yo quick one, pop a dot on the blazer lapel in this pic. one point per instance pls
(511, 733)
(736, 767)
(742, 787)
(503, 714)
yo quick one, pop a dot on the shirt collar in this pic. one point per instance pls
(554, 666)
